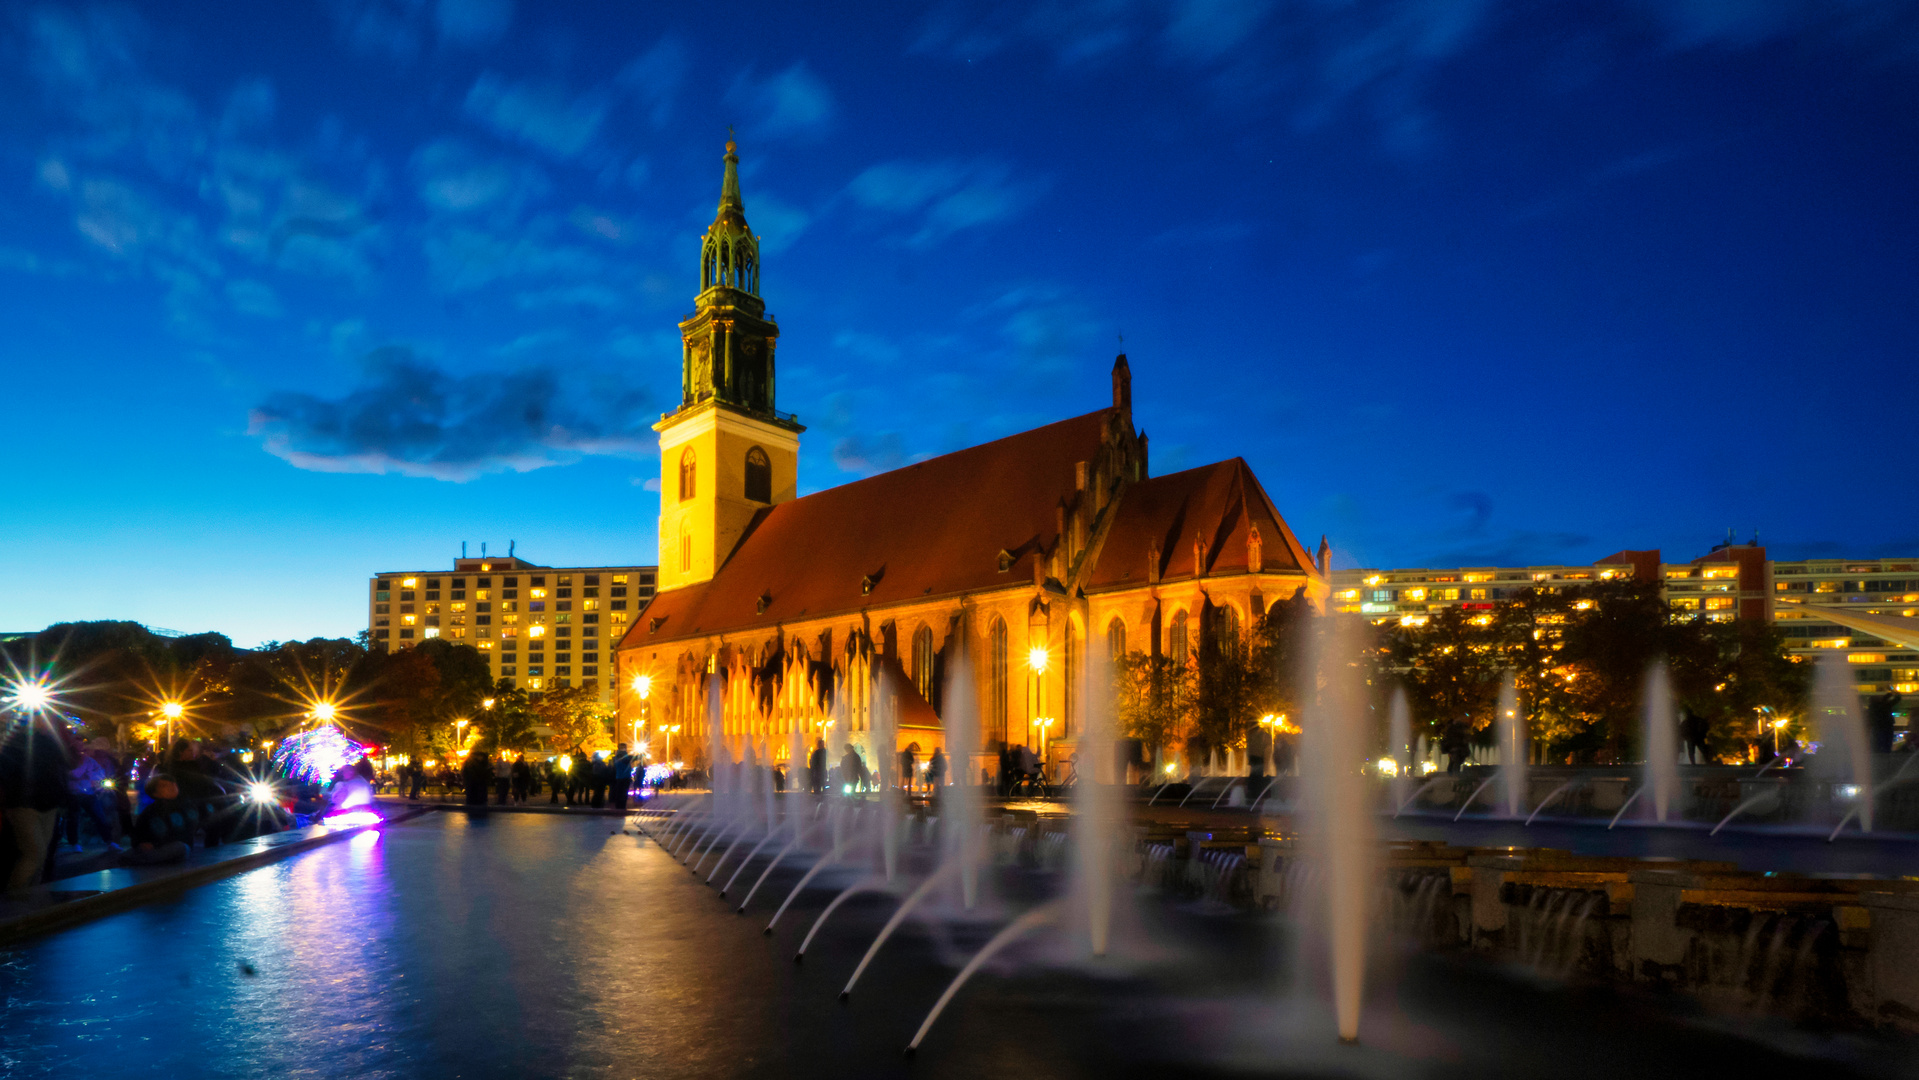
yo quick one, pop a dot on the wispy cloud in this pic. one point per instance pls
(791, 103)
(940, 198)
(412, 418)
(545, 116)
(473, 23)
(399, 30)
(452, 177)
(654, 77)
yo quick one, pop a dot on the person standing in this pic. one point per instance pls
(909, 767)
(522, 780)
(816, 768)
(936, 770)
(622, 764)
(34, 763)
(600, 775)
(555, 780)
(415, 777)
(502, 779)
(477, 774)
(85, 785)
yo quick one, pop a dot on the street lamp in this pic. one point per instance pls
(1035, 660)
(643, 686)
(324, 712)
(669, 740)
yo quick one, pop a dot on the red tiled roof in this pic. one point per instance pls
(1217, 502)
(933, 528)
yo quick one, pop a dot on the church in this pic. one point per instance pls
(1017, 553)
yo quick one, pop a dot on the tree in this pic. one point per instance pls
(574, 716)
(1226, 695)
(1150, 699)
(1451, 668)
(508, 724)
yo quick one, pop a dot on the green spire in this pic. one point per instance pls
(730, 186)
(730, 253)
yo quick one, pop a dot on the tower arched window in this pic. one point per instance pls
(759, 476)
(686, 548)
(1115, 640)
(923, 661)
(996, 681)
(689, 474)
(1176, 646)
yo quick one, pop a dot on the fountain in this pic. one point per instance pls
(1339, 818)
(1845, 756)
(1399, 739)
(884, 741)
(1512, 747)
(1097, 814)
(1662, 743)
(959, 803)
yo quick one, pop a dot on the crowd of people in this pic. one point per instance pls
(598, 780)
(143, 808)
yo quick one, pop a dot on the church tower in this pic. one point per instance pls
(725, 453)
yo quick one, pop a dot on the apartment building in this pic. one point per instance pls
(1804, 598)
(538, 626)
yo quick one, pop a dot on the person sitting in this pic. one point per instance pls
(350, 792)
(164, 829)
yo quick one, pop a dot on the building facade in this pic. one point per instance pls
(994, 580)
(1803, 598)
(539, 627)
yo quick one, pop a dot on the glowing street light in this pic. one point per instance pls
(31, 696)
(324, 712)
(643, 686)
(172, 710)
(1036, 658)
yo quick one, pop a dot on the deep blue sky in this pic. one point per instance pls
(301, 291)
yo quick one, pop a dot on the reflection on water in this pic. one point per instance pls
(527, 946)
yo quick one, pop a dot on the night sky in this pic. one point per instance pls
(296, 292)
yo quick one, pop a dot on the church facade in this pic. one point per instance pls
(1014, 567)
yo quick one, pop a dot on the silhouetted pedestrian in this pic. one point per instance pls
(621, 765)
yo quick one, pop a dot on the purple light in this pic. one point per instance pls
(353, 818)
(312, 757)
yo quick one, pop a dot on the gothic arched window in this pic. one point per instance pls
(686, 548)
(1176, 648)
(759, 476)
(1225, 626)
(689, 474)
(996, 681)
(923, 661)
(1115, 640)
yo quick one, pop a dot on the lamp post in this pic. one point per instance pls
(1036, 658)
(643, 686)
(170, 714)
(669, 729)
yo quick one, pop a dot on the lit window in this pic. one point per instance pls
(409, 620)
(487, 645)
(536, 631)
(1415, 594)
(459, 632)
(566, 579)
(537, 594)
(1718, 603)
(619, 616)
(533, 684)
(483, 594)
(589, 605)
(1866, 658)
(619, 579)
(432, 631)
(459, 607)
(409, 583)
